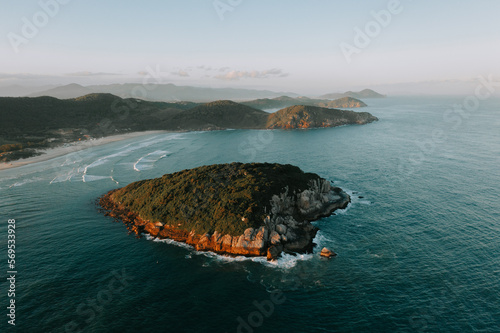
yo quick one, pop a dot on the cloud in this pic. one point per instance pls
(87, 73)
(180, 73)
(236, 75)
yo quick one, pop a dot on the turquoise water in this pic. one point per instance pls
(418, 248)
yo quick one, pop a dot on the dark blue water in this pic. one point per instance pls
(418, 249)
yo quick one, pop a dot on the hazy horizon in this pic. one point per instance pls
(309, 48)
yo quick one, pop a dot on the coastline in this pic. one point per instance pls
(48, 154)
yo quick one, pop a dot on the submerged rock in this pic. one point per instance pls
(257, 209)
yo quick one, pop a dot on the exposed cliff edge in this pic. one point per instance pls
(256, 209)
(302, 116)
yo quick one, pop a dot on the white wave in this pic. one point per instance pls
(286, 261)
(168, 241)
(11, 177)
(131, 147)
(123, 152)
(73, 158)
(345, 210)
(158, 139)
(321, 241)
(26, 181)
(91, 178)
(355, 199)
(104, 160)
(64, 177)
(147, 161)
(224, 258)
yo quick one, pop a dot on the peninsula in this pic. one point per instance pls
(31, 124)
(255, 209)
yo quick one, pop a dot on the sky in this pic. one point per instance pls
(307, 47)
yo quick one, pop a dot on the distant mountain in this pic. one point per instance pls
(366, 93)
(19, 91)
(70, 91)
(301, 116)
(159, 92)
(285, 101)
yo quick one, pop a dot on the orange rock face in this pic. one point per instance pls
(304, 116)
(325, 252)
(281, 231)
(252, 243)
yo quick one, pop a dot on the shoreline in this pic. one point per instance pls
(51, 153)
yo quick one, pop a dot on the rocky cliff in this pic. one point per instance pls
(302, 116)
(256, 209)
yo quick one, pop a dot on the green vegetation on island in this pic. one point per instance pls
(238, 209)
(227, 198)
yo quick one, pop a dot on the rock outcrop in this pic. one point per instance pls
(302, 116)
(284, 225)
(325, 252)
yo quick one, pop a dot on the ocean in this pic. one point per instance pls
(418, 247)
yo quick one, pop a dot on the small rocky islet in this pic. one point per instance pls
(253, 209)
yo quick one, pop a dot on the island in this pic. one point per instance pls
(365, 93)
(252, 209)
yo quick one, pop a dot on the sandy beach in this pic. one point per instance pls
(51, 153)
